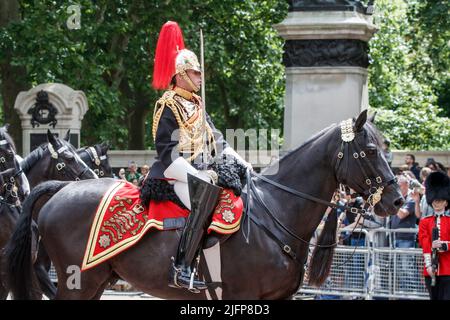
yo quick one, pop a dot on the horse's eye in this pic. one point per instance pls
(69, 156)
(371, 151)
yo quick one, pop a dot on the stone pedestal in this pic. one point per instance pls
(51, 106)
(326, 59)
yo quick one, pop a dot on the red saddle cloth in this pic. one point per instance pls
(121, 220)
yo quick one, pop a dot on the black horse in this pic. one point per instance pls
(9, 159)
(270, 265)
(9, 214)
(96, 158)
(56, 160)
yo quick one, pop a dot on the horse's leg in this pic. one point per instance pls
(89, 286)
(3, 291)
(41, 268)
(100, 290)
(64, 223)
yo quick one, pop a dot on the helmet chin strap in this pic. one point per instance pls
(184, 75)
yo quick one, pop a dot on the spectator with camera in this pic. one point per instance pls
(422, 208)
(405, 219)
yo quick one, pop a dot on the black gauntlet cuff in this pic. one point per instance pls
(231, 175)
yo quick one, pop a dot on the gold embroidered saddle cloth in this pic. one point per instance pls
(121, 220)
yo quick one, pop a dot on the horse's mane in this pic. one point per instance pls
(8, 138)
(303, 145)
(32, 158)
(375, 133)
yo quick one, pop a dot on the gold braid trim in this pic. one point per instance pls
(191, 139)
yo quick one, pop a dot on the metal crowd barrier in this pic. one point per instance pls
(376, 269)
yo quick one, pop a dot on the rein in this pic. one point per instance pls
(374, 192)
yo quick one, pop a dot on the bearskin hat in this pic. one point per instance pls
(437, 186)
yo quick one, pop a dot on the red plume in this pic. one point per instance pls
(169, 42)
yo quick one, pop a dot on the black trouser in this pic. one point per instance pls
(441, 291)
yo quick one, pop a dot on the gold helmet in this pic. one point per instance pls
(186, 60)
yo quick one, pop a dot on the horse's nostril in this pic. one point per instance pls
(399, 202)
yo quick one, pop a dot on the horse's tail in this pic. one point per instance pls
(323, 253)
(19, 264)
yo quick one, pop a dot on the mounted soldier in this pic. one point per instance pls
(190, 165)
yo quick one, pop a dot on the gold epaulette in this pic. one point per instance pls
(166, 100)
(191, 137)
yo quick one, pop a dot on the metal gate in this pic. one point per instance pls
(376, 269)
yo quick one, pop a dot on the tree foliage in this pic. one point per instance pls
(111, 56)
(409, 73)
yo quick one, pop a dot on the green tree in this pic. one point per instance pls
(400, 88)
(110, 58)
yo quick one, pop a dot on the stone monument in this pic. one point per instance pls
(326, 59)
(53, 106)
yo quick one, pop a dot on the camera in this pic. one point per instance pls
(415, 185)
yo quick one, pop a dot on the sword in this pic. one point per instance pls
(202, 64)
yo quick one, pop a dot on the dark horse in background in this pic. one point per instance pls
(257, 269)
(12, 192)
(55, 160)
(9, 214)
(96, 157)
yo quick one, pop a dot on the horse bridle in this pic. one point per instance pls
(375, 185)
(373, 193)
(60, 165)
(10, 190)
(12, 184)
(93, 155)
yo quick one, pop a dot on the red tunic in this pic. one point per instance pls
(425, 238)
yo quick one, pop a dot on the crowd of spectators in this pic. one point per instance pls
(411, 180)
(134, 175)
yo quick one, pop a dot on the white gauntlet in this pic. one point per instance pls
(231, 151)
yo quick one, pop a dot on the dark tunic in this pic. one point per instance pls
(167, 146)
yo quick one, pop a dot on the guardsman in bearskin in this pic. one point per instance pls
(187, 171)
(434, 237)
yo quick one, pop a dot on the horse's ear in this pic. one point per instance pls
(51, 138)
(105, 146)
(6, 127)
(372, 117)
(362, 118)
(67, 137)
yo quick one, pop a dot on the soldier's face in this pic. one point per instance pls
(439, 205)
(195, 76)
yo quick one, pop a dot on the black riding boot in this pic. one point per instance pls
(204, 197)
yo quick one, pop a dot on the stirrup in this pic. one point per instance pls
(191, 283)
(174, 272)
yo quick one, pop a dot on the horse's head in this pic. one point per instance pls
(7, 149)
(9, 191)
(10, 160)
(97, 159)
(361, 165)
(65, 164)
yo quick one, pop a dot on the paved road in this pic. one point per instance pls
(118, 295)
